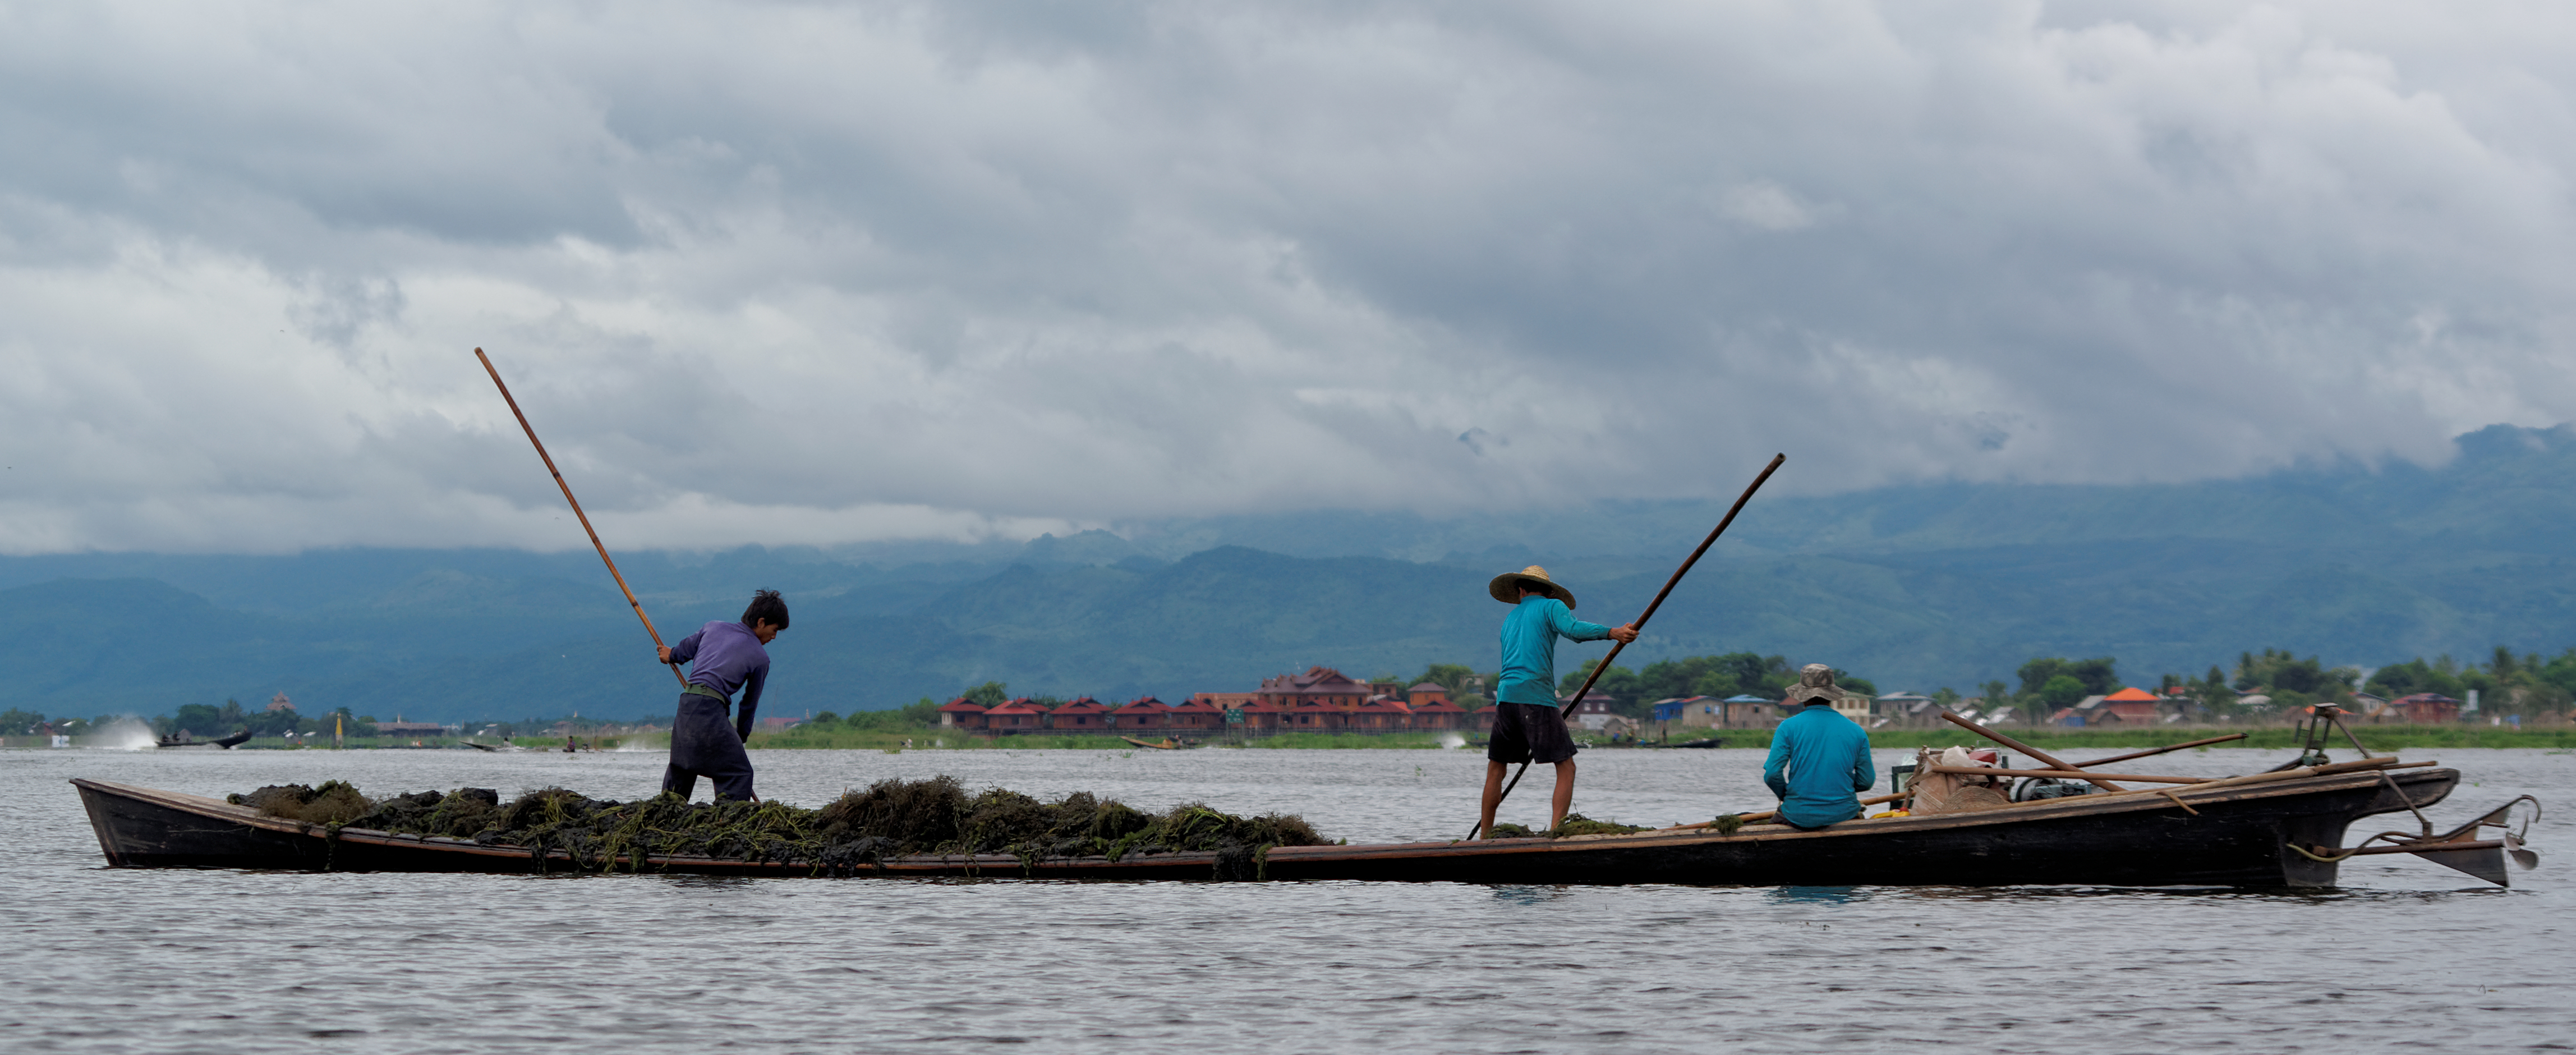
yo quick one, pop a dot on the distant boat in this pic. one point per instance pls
(1168, 743)
(182, 739)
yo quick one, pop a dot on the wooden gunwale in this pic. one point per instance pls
(2048, 809)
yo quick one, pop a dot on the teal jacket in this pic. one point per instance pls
(1529, 648)
(1819, 765)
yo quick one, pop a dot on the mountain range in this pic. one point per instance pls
(1915, 587)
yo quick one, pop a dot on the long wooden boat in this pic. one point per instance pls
(2283, 833)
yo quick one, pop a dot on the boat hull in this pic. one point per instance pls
(2237, 836)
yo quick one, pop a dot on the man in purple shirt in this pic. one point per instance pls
(722, 657)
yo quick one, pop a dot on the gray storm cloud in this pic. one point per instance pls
(812, 274)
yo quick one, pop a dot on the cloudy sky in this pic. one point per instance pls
(815, 274)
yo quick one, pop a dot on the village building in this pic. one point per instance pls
(1745, 711)
(1592, 712)
(1678, 710)
(1437, 713)
(1146, 712)
(1379, 715)
(1482, 718)
(1260, 714)
(2428, 708)
(2131, 706)
(1316, 715)
(1197, 714)
(1085, 715)
(1016, 716)
(399, 727)
(1322, 685)
(1907, 708)
(961, 713)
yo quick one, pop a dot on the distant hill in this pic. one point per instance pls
(1915, 587)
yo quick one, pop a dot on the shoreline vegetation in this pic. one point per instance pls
(2376, 737)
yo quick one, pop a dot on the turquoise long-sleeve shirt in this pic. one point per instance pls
(1819, 765)
(1529, 648)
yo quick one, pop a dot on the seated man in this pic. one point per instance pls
(1819, 760)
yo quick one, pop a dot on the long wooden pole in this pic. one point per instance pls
(1640, 624)
(602, 547)
(2162, 750)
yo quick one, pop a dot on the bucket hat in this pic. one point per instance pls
(1507, 586)
(1815, 682)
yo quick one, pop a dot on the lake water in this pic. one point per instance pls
(2409, 954)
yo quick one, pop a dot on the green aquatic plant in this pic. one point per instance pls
(1578, 824)
(335, 802)
(890, 818)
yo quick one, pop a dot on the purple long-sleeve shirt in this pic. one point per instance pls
(724, 656)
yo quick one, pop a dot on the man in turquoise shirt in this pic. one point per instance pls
(1819, 760)
(1528, 724)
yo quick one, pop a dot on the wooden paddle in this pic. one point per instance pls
(1640, 624)
(631, 602)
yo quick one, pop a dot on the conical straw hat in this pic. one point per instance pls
(1507, 586)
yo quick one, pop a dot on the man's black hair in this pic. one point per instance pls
(766, 604)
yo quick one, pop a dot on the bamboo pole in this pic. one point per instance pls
(2026, 749)
(602, 547)
(1640, 624)
(2064, 774)
(2161, 750)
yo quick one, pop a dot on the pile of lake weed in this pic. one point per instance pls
(336, 802)
(892, 817)
(1578, 824)
(458, 814)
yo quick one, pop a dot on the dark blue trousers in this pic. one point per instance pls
(704, 744)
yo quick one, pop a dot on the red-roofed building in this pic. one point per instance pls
(2131, 705)
(2428, 708)
(1425, 693)
(1323, 685)
(1084, 715)
(1483, 717)
(961, 713)
(1438, 714)
(1146, 713)
(1263, 714)
(1315, 716)
(1381, 715)
(1018, 715)
(1197, 712)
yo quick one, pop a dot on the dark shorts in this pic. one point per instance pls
(1529, 732)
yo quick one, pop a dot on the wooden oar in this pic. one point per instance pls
(1640, 624)
(2162, 750)
(631, 602)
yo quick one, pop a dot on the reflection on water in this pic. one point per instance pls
(1523, 894)
(1826, 895)
(105, 960)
